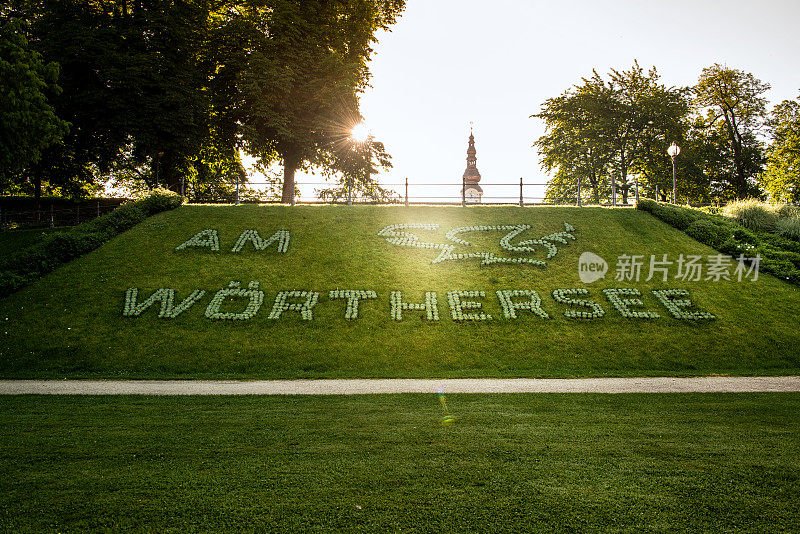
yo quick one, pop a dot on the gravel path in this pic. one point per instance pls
(708, 384)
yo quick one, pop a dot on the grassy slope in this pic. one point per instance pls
(70, 322)
(547, 463)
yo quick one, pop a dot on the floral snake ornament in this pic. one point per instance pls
(396, 234)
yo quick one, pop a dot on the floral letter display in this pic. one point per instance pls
(564, 296)
(237, 303)
(352, 296)
(534, 303)
(398, 305)
(165, 296)
(281, 237)
(203, 238)
(457, 306)
(396, 235)
(622, 305)
(305, 308)
(255, 296)
(676, 301)
(210, 239)
(677, 307)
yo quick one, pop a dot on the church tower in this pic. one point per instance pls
(471, 192)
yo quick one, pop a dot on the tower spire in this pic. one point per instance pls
(471, 175)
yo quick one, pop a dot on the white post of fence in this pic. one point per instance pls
(237, 189)
(521, 201)
(406, 191)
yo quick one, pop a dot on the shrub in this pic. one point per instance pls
(159, 200)
(25, 266)
(753, 214)
(645, 204)
(708, 232)
(788, 210)
(674, 216)
(780, 255)
(789, 227)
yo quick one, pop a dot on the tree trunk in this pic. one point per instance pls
(38, 196)
(595, 187)
(741, 181)
(290, 165)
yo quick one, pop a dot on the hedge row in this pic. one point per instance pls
(23, 267)
(780, 256)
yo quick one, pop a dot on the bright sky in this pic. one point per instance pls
(448, 62)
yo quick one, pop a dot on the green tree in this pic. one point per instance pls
(730, 101)
(616, 127)
(572, 147)
(138, 80)
(782, 177)
(354, 168)
(28, 122)
(300, 87)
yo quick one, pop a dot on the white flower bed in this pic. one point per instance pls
(255, 299)
(210, 239)
(304, 308)
(677, 306)
(430, 306)
(564, 296)
(533, 303)
(457, 306)
(396, 236)
(281, 237)
(165, 296)
(676, 301)
(622, 304)
(203, 239)
(353, 297)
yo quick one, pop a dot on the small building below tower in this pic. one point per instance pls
(472, 192)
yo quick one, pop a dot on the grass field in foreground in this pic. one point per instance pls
(549, 463)
(70, 323)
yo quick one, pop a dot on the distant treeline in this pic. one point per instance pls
(611, 134)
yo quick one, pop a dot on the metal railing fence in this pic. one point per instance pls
(422, 193)
(50, 216)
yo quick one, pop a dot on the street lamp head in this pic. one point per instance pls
(360, 132)
(673, 150)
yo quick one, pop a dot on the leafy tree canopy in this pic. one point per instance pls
(782, 177)
(28, 121)
(730, 101)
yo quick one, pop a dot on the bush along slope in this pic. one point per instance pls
(24, 266)
(780, 254)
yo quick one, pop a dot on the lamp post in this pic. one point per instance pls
(673, 151)
(360, 135)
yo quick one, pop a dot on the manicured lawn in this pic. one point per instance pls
(547, 463)
(70, 323)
